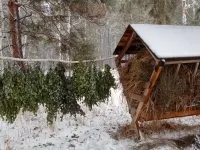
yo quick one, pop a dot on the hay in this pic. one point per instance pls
(170, 94)
(134, 75)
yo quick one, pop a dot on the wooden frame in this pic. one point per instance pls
(149, 85)
(125, 46)
(182, 62)
(147, 93)
(144, 99)
(168, 115)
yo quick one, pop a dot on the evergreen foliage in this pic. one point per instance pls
(28, 90)
(91, 84)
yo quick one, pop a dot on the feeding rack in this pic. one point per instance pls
(167, 45)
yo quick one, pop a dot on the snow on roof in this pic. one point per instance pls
(167, 41)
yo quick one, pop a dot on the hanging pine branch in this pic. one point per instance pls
(92, 85)
(28, 90)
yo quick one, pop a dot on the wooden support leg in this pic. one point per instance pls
(147, 94)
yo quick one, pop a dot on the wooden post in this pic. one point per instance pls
(15, 31)
(147, 94)
(177, 70)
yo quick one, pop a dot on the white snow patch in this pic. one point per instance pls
(92, 132)
(167, 41)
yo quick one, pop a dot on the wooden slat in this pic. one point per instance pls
(127, 33)
(138, 97)
(121, 43)
(137, 43)
(126, 46)
(169, 115)
(125, 38)
(177, 69)
(147, 94)
(147, 85)
(182, 62)
(195, 71)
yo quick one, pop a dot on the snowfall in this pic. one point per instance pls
(98, 130)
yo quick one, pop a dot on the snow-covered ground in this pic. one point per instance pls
(95, 131)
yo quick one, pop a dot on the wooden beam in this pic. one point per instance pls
(137, 44)
(125, 38)
(121, 43)
(182, 62)
(147, 93)
(177, 69)
(146, 85)
(127, 33)
(169, 115)
(195, 70)
(126, 46)
(138, 97)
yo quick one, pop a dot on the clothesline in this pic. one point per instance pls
(53, 60)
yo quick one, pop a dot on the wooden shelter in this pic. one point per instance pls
(167, 45)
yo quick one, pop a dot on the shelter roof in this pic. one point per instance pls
(167, 42)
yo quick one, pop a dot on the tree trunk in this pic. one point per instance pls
(24, 45)
(194, 9)
(15, 31)
(69, 25)
(1, 34)
(60, 42)
(184, 17)
(24, 38)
